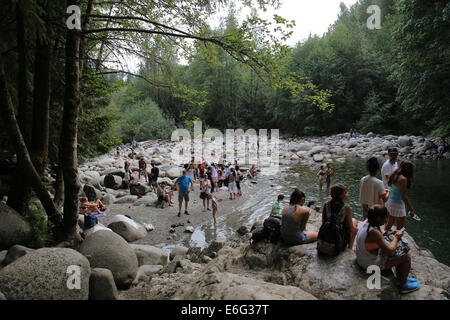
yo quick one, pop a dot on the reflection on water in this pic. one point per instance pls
(429, 196)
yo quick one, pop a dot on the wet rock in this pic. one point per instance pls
(113, 182)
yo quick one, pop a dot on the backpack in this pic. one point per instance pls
(259, 234)
(330, 240)
(272, 227)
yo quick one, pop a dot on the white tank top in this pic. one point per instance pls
(364, 257)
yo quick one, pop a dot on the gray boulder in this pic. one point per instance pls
(127, 228)
(102, 286)
(108, 250)
(108, 199)
(14, 253)
(149, 255)
(404, 141)
(139, 189)
(148, 200)
(13, 228)
(319, 149)
(174, 172)
(178, 251)
(47, 274)
(126, 199)
(318, 158)
(113, 182)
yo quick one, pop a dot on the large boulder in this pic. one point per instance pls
(319, 149)
(47, 274)
(13, 228)
(108, 199)
(113, 182)
(149, 255)
(318, 158)
(102, 286)
(148, 200)
(174, 172)
(304, 146)
(139, 189)
(404, 141)
(127, 228)
(114, 172)
(14, 253)
(108, 250)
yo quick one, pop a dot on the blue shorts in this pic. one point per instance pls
(299, 238)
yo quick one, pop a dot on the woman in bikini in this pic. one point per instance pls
(321, 174)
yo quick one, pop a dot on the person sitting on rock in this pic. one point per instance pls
(91, 207)
(373, 250)
(294, 220)
(163, 195)
(347, 225)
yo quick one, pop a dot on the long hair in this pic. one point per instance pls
(373, 166)
(406, 169)
(336, 202)
(375, 212)
(296, 196)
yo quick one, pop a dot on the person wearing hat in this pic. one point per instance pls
(390, 165)
(154, 175)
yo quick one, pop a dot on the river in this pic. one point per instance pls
(429, 195)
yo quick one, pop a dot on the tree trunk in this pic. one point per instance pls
(83, 44)
(20, 193)
(12, 127)
(68, 147)
(42, 90)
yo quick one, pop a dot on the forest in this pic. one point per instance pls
(66, 94)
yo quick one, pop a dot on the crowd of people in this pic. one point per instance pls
(383, 203)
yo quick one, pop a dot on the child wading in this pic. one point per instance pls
(214, 207)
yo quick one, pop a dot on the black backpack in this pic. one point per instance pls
(272, 227)
(330, 240)
(259, 234)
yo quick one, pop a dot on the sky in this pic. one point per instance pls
(311, 16)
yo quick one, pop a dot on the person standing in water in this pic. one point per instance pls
(320, 175)
(214, 206)
(276, 208)
(328, 173)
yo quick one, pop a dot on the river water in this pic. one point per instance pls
(430, 197)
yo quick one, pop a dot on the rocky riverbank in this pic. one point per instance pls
(124, 258)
